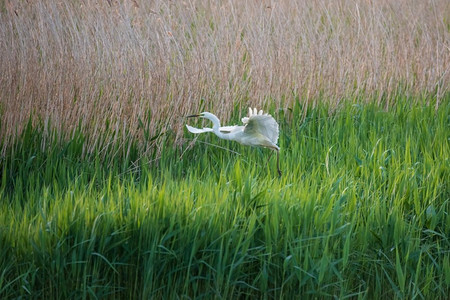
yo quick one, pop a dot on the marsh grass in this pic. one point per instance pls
(119, 70)
(361, 211)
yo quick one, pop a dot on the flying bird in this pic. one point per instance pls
(259, 129)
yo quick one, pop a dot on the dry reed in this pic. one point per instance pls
(89, 65)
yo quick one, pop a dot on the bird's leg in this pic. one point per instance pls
(278, 163)
(268, 160)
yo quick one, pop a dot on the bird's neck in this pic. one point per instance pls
(216, 129)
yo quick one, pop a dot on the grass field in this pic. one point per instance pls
(361, 211)
(104, 193)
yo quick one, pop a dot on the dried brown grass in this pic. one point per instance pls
(89, 64)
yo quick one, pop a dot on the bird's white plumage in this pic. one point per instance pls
(251, 113)
(259, 129)
(264, 124)
(224, 129)
(198, 130)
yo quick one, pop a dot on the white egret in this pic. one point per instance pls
(260, 129)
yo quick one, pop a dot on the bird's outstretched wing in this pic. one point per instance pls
(251, 113)
(198, 130)
(261, 123)
(224, 129)
(228, 129)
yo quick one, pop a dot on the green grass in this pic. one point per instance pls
(361, 211)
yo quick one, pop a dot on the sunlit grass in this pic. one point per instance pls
(361, 211)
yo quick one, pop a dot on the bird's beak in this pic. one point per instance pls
(193, 116)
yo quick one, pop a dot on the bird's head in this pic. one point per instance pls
(204, 115)
(195, 116)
